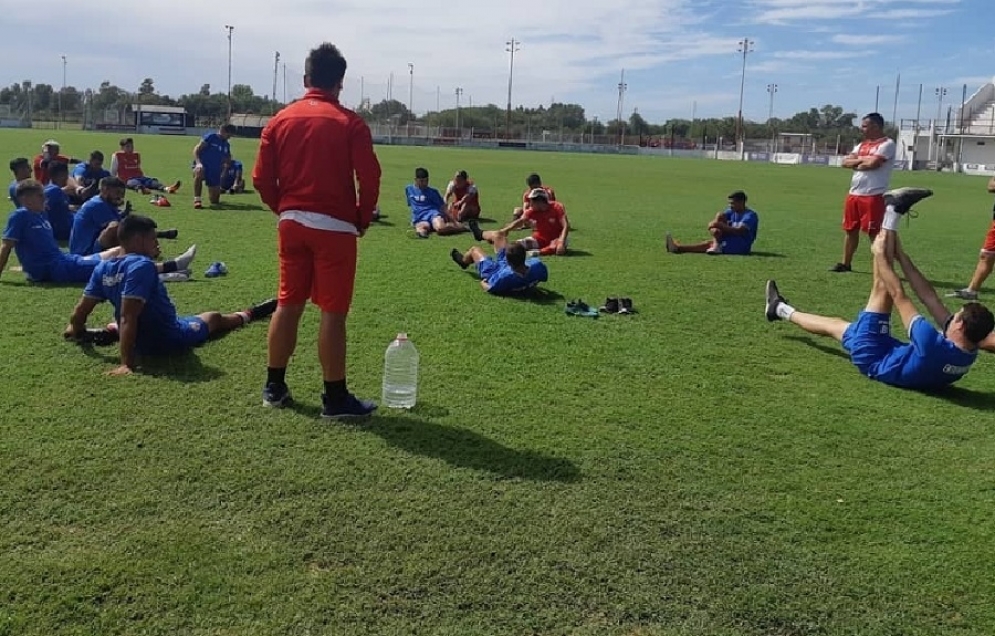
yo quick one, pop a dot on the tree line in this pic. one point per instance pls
(43, 101)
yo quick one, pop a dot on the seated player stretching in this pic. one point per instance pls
(21, 169)
(508, 272)
(932, 359)
(84, 183)
(126, 165)
(145, 318)
(232, 181)
(733, 231)
(532, 182)
(29, 235)
(95, 223)
(550, 226)
(428, 208)
(465, 204)
(58, 209)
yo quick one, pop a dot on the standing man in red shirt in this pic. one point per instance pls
(311, 154)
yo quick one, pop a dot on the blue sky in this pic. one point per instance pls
(676, 52)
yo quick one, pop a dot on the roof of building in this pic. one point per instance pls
(155, 108)
(243, 120)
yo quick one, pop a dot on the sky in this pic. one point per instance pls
(681, 57)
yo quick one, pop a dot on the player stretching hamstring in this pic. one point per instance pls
(126, 165)
(509, 272)
(145, 318)
(932, 359)
(548, 220)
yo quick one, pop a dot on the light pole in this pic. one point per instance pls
(411, 96)
(745, 47)
(772, 89)
(940, 92)
(459, 131)
(230, 28)
(622, 86)
(513, 45)
(62, 116)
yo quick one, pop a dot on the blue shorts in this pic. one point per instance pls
(488, 266)
(427, 216)
(73, 268)
(735, 247)
(142, 182)
(868, 340)
(212, 176)
(189, 332)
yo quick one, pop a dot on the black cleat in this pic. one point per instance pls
(902, 199)
(263, 309)
(478, 234)
(840, 267)
(167, 234)
(457, 258)
(611, 306)
(773, 300)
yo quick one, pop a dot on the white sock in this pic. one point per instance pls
(891, 219)
(244, 315)
(196, 199)
(784, 311)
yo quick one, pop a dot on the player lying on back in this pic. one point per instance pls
(507, 272)
(145, 318)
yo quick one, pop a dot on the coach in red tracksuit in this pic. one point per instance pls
(311, 155)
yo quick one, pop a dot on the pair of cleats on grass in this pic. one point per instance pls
(612, 306)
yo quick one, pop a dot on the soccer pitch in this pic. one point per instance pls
(691, 469)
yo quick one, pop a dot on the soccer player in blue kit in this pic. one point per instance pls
(146, 320)
(508, 272)
(232, 181)
(21, 169)
(58, 209)
(211, 158)
(932, 359)
(28, 233)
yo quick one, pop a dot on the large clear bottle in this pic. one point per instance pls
(400, 374)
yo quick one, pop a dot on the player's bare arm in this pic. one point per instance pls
(886, 273)
(921, 287)
(196, 152)
(131, 309)
(77, 321)
(485, 286)
(870, 163)
(517, 224)
(991, 186)
(5, 249)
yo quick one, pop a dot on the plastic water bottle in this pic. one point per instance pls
(400, 374)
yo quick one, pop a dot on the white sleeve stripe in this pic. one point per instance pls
(912, 323)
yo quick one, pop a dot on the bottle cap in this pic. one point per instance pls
(402, 336)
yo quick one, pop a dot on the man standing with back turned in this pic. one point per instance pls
(311, 154)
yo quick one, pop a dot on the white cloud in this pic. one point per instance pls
(817, 55)
(868, 39)
(793, 11)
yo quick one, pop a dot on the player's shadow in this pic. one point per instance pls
(977, 400)
(186, 368)
(824, 348)
(381, 221)
(767, 254)
(572, 252)
(539, 296)
(242, 207)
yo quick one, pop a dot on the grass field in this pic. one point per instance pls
(691, 469)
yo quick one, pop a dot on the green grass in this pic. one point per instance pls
(691, 469)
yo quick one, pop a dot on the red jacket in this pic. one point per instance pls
(310, 156)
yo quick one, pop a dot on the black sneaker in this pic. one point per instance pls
(773, 299)
(457, 258)
(263, 309)
(167, 234)
(98, 337)
(478, 234)
(611, 306)
(276, 395)
(347, 408)
(626, 306)
(840, 267)
(902, 199)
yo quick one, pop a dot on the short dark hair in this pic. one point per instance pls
(112, 183)
(56, 169)
(738, 195)
(96, 154)
(231, 129)
(978, 322)
(28, 186)
(875, 118)
(515, 254)
(20, 162)
(421, 173)
(533, 180)
(134, 225)
(462, 174)
(325, 66)
(127, 140)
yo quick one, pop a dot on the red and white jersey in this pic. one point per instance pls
(873, 182)
(469, 191)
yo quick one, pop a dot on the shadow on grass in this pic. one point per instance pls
(457, 446)
(767, 254)
(185, 367)
(977, 400)
(539, 296)
(824, 348)
(229, 205)
(572, 252)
